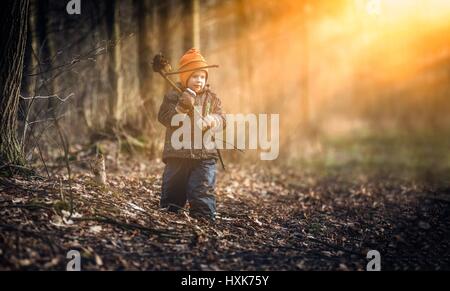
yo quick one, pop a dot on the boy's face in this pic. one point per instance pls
(197, 81)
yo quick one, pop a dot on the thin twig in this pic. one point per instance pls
(48, 97)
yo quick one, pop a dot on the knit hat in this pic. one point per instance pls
(192, 59)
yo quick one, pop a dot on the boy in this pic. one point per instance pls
(190, 174)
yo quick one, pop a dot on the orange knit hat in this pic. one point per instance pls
(192, 59)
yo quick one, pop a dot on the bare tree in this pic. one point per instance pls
(164, 11)
(45, 50)
(115, 64)
(13, 32)
(191, 24)
(187, 20)
(244, 53)
(144, 55)
(144, 15)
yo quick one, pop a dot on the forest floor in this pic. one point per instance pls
(268, 219)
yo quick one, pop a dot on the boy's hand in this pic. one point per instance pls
(208, 122)
(211, 122)
(186, 100)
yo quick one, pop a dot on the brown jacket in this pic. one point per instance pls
(211, 105)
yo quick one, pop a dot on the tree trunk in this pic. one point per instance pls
(243, 54)
(115, 64)
(191, 24)
(196, 23)
(45, 53)
(144, 51)
(28, 82)
(27, 86)
(144, 16)
(13, 32)
(187, 14)
(164, 15)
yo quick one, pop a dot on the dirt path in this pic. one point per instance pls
(267, 220)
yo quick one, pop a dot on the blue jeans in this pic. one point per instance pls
(190, 180)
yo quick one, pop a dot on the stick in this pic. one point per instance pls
(191, 70)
